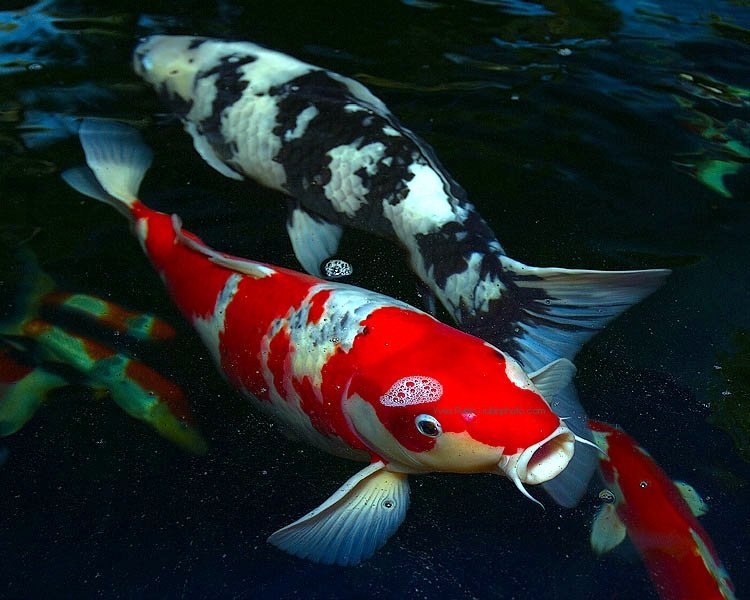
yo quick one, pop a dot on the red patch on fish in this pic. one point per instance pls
(10, 369)
(163, 389)
(318, 306)
(421, 342)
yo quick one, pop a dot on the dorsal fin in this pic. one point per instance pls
(241, 265)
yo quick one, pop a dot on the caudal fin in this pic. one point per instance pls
(117, 161)
(558, 310)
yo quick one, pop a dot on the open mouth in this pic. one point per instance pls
(540, 462)
(547, 459)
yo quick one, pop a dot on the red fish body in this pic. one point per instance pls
(352, 372)
(659, 516)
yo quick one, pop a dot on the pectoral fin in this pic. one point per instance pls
(693, 499)
(353, 523)
(608, 530)
(313, 238)
(554, 382)
(204, 148)
(553, 378)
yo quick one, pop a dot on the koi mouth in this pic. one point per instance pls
(540, 462)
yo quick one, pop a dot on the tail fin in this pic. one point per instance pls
(23, 389)
(117, 161)
(35, 285)
(561, 309)
(558, 310)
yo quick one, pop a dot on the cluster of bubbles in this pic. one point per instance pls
(336, 268)
(415, 389)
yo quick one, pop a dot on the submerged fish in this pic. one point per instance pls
(352, 372)
(346, 160)
(38, 356)
(659, 516)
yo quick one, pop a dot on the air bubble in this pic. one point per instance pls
(417, 389)
(337, 268)
(607, 496)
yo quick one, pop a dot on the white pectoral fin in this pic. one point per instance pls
(207, 152)
(353, 523)
(608, 530)
(693, 499)
(560, 309)
(313, 239)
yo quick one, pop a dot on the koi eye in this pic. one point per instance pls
(428, 425)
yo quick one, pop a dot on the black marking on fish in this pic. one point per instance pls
(305, 160)
(230, 85)
(448, 250)
(197, 43)
(500, 323)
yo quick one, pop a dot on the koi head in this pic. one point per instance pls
(482, 414)
(171, 63)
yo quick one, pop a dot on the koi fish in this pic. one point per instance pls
(345, 160)
(659, 516)
(23, 389)
(37, 356)
(352, 372)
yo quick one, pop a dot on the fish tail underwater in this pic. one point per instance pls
(200, 424)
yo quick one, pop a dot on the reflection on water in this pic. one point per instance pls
(588, 133)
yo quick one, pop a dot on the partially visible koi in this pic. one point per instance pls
(659, 517)
(34, 345)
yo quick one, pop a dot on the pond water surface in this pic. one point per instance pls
(589, 134)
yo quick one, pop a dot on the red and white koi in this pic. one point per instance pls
(659, 516)
(350, 371)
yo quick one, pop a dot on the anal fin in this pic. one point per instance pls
(313, 238)
(353, 523)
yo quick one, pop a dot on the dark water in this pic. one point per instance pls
(589, 134)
